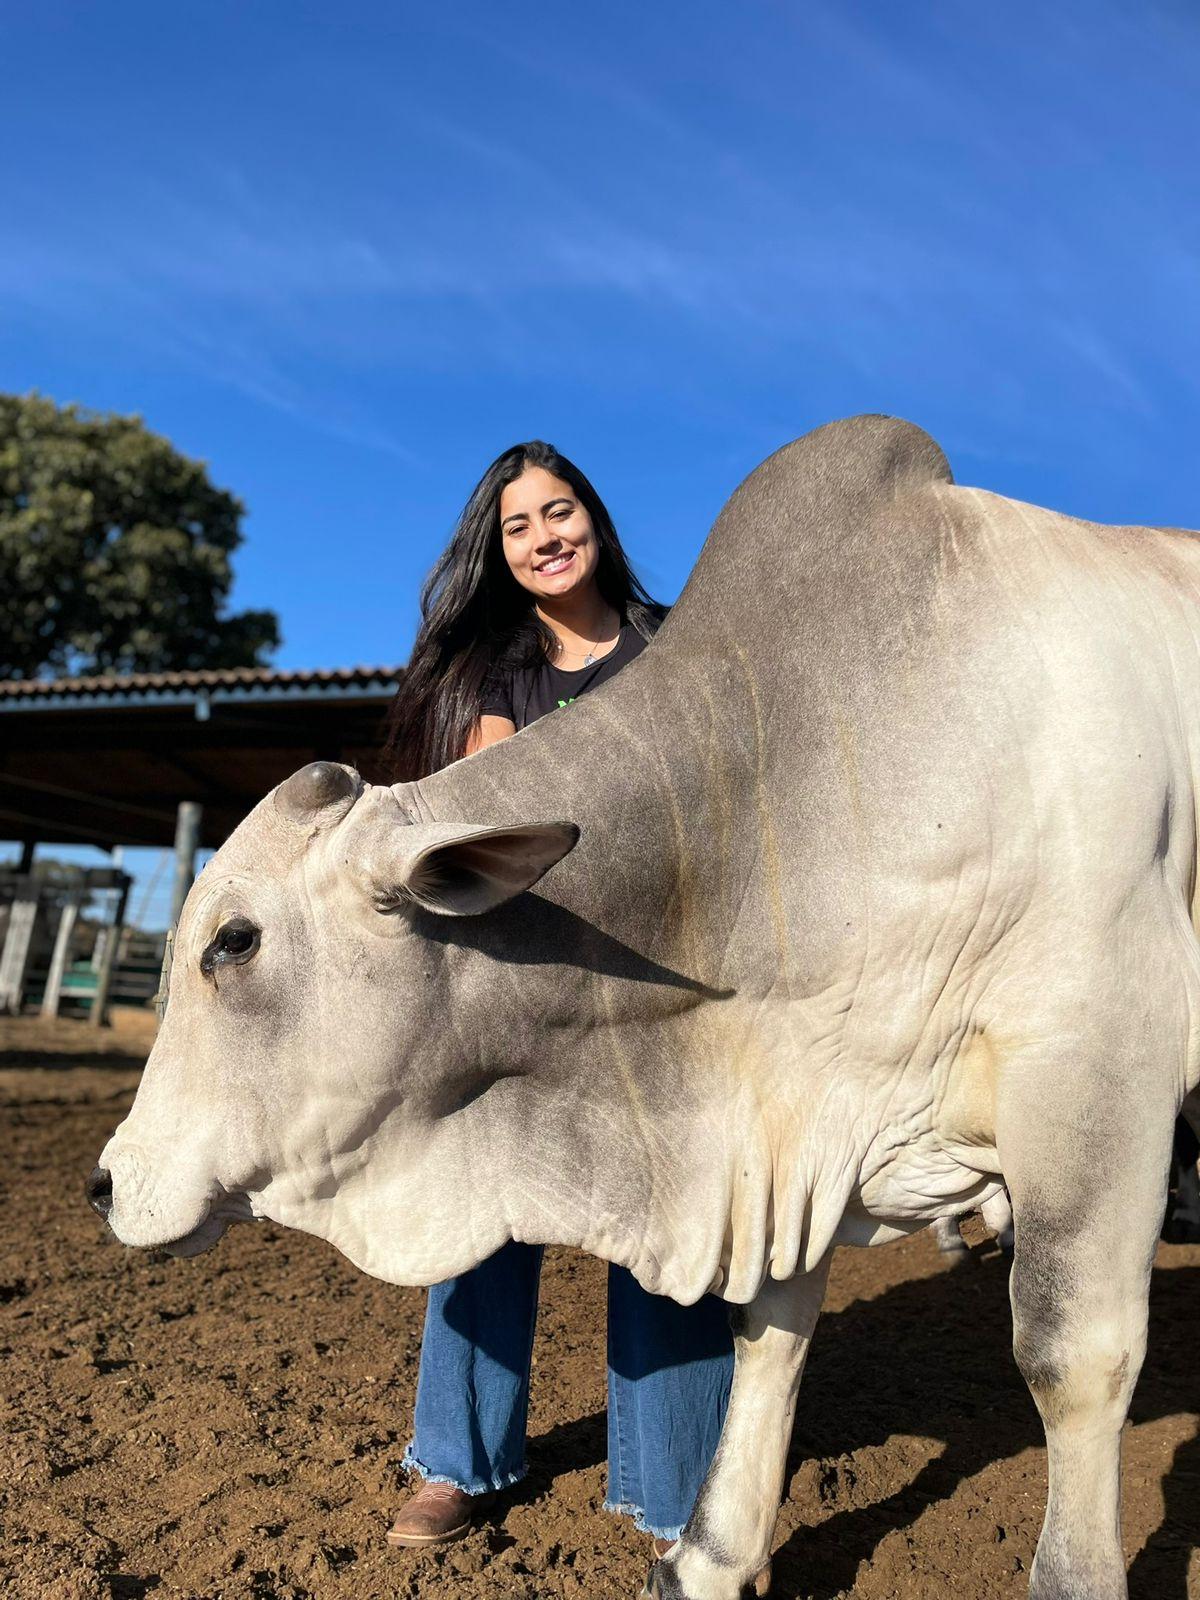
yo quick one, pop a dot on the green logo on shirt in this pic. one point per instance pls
(569, 702)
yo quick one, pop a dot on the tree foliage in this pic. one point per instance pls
(114, 550)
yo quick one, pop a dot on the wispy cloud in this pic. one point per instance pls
(249, 370)
(911, 218)
(1100, 358)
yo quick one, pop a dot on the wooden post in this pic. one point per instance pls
(187, 839)
(14, 959)
(62, 953)
(108, 961)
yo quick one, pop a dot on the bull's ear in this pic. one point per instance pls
(459, 871)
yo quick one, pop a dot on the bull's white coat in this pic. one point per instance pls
(884, 899)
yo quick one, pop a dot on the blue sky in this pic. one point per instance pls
(347, 254)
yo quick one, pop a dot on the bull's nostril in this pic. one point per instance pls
(98, 1189)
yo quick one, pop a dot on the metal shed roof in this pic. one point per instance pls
(220, 684)
(107, 760)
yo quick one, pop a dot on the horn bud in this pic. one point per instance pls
(314, 789)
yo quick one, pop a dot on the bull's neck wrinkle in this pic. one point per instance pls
(600, 959)
(575, 765)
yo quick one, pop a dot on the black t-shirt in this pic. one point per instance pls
(523, 694)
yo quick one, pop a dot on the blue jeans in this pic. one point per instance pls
(669, 1372)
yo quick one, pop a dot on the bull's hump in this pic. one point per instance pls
(871, 456)
(812, 522)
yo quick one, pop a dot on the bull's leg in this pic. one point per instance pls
(1088, 1184)
(950, 1241)
(728, 1536)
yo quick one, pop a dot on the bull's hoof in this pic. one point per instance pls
(758, 1590)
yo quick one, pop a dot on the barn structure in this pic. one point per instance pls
(169, 758)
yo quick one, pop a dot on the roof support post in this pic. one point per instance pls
(187, 838)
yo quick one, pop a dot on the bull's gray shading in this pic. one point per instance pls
(882, 898)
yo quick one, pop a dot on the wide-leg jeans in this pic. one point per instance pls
(669, 1372)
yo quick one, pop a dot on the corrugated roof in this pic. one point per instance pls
(149, 685)
(107, 759)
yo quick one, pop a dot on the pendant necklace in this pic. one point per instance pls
(590, 657)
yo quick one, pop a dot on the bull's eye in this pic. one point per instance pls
(236, 940)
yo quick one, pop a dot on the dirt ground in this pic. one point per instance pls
(231, 1427)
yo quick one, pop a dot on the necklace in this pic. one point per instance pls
(590, 658)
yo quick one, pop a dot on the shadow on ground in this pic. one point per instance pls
(895, 1371)
(105, 1060)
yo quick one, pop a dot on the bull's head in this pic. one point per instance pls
(310, 1066)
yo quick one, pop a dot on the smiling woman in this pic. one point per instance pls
(532, 597)
(532, 605)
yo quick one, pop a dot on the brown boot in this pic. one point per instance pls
(761, 1586)
(438, 1513)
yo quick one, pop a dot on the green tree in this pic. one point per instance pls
(114, 550)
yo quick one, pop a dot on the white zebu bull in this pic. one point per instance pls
(883, 900)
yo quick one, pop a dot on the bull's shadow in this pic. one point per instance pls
(933, 1358)
(556, 937)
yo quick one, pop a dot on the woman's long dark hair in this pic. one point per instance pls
(476, 617)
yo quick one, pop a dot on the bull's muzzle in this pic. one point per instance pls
(98, 1189)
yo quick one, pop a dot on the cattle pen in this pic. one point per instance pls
(172, 759)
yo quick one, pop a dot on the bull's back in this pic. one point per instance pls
(958, 709)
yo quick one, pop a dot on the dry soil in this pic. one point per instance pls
(232, 1427)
